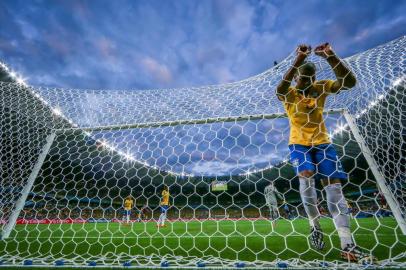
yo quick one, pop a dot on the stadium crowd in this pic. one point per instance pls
(289, 211)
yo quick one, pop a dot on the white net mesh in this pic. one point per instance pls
(70, 157)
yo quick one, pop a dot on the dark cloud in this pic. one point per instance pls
(163, 44)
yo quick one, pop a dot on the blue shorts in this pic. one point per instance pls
(164, 208)
(127, 212)
(321, 159)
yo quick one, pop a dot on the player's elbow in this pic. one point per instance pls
(281, 90)
(350, 81)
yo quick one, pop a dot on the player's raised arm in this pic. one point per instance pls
(302, 52)
(345, 77)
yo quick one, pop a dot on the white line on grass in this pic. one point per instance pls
(187, 236)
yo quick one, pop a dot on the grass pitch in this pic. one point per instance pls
(242, 240)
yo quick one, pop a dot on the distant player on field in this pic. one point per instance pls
(271, 198)
(141, 213)
(349, 208)
(311, 151)
(164, 207)
(286, 208)
(128, 206)
(384, 210)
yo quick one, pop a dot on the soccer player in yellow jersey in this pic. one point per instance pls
(128, 206)
(311, 151)
(164, 207)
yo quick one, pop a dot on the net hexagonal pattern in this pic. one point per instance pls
(70, 158)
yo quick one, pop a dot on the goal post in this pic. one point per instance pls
(19, 205)
(380, 180)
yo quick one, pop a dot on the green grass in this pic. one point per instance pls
(234, 240)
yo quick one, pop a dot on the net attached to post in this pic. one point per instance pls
(111, 144)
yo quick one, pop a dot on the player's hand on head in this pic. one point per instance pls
(324, 50)
(303, 50)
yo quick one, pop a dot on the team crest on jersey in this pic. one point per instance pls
(295, 162)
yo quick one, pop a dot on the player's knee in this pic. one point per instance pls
(306, 173)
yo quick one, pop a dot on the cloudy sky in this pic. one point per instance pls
(124, 44)
(160, 44)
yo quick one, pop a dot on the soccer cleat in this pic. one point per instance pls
(316, 238)
(352, 253)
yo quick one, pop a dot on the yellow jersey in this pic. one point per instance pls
(128, 204)
(305, 114)
(165, 197)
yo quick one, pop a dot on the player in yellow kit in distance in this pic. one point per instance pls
(128, 206)
(311, 152)
(164, 207)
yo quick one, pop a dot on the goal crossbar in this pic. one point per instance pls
(187, 122)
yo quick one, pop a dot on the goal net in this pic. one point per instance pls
(70, 159)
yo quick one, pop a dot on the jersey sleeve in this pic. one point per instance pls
(288, 97)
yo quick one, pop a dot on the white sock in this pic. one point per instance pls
(160, 219)
(337, 206)
(128, 218)
(309, 198)
(163, 219)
